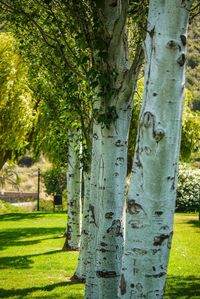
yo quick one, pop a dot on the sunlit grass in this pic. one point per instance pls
(184, 267)
(32, 264)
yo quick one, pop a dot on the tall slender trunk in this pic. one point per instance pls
(116, 80)
(73, 230)
(112, 182)
(151, 198)
(91, 287)
(80, 273)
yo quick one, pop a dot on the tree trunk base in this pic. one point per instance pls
(67, 247)
(77, 279)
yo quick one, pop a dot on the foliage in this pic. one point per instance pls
(188, 190)
(51, 42)
(68, 53)
(190, 139)
(55, 180)
(6, 207)
(8, 175)
(16, 103)
(137, 102)
(193, 58)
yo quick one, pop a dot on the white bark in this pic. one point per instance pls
(73, 230)
(109, 160)
(112, 182)
(91, 287)
(80, 273)
(151, 198)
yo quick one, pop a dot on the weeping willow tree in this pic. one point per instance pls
(16, 102)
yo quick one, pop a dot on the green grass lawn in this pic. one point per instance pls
(184, 267)
(32, 264)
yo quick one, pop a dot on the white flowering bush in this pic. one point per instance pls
(188, 190)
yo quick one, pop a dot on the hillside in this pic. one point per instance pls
(193, 59)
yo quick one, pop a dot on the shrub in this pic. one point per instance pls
(55, 180)
(188, 190)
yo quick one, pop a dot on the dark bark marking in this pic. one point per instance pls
(158, 275)
(164, 227)
(158, 240)
(95, 136)
(91, 209)
(115, 229)
(183, 39)
(68, 233)
(102, 188)
(109, 215)
(158, 134)
(135, 224)
(172, 44)
(171, 178)
(181, 60)
(147, 150)
(123, 285)
(140, 251)
(170, 240)
(103, 244)
(158, 213)
(104, 250)
(132, 285)
(154, 251)
(139, 286)
(120, 159)
(135, 269)
(84, 232)
(147, 119)
(118, 143)
(138, 162)
(106, 274)
(134, 208)
(155, 94)
(151, 32)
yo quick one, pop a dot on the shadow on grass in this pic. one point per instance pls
(195, 223)
(23, 261)
(182, 287)
(25, 215)
(21, 293)
(15, 237)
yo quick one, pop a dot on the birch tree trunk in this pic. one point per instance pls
(73, 230)
(151, 198)
(116, 78)
(80, 273)
(112, 182)
(91, 287)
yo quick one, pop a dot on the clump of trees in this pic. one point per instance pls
(90, 55)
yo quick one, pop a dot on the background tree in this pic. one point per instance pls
(16, 102)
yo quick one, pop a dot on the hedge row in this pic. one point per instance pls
(188, 190)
